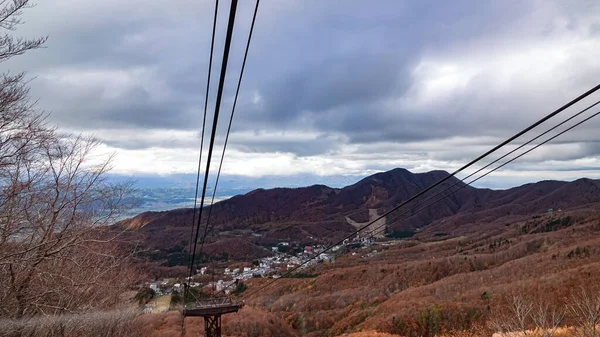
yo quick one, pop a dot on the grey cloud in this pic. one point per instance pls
(356, 109)
(591, 149)
(133, 108)
(301, 148)
(318, 66)
(135, 141)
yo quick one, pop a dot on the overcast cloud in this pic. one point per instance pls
(331, 87)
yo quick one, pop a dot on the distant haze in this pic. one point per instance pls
(161, 193)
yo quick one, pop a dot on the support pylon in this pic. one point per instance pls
(211, 310)
(212, 325)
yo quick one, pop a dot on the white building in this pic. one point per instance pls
(325, 257)
(178, 287)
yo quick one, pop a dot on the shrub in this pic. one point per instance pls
(144, 296)
(239, 289)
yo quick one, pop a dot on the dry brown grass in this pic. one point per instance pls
(168, 324)
(114, 324)
(252, 322)
(248, 322)
(369, 334)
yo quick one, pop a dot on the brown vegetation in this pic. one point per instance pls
(249, 322)
(114, 324)
(369, 334)
(451, 286)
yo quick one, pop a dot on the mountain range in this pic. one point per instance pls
(244, 226)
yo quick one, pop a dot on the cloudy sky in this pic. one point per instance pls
(332, 88)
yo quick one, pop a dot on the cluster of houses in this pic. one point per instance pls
(273, 266)
(166, 287)
(282, 261)
(317, 253)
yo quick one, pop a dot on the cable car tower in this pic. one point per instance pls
(211, 310)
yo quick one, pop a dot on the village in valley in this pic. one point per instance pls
(225, 278)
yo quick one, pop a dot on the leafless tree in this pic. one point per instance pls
(522, 315)
(10, 19)
(56, 255)
(22, 127)
(516, 317)
(585, 310)
(547, 319)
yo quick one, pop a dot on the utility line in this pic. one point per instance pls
(493, 162)
(230, 26)
(212, 45)
(207, 228)
(494, 149)
(415, 210)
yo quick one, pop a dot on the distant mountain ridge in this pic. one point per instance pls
(318, 213)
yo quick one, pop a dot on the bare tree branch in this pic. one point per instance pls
(56, 255)
(585, 309)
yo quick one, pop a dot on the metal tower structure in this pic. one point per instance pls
(211, 310)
